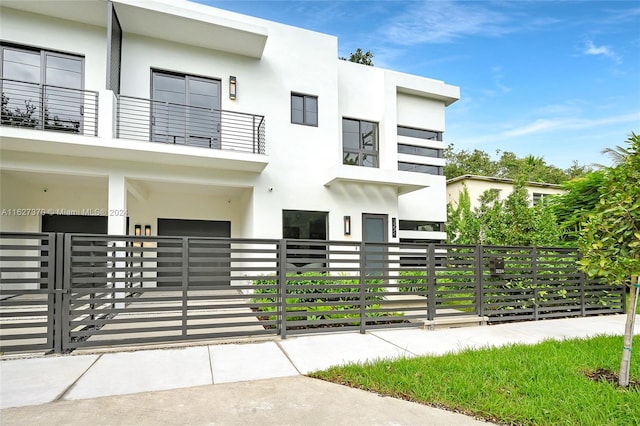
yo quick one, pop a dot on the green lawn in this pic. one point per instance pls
(519, 384)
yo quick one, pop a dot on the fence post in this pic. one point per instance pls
(581, 283)
(65, 305)
(185, 283)
(282, 287)
(478, 281)
(431, 281)
(56, 276)
(534, 277)
(361, 292)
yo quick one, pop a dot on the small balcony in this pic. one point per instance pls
(171, 123)
(51, 108)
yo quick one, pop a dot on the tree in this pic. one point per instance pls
(508, 166)
(360, 57)
(610, 238)
(571, 208)
(462, 225)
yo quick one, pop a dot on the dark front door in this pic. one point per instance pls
(208, 259)
(374, 230)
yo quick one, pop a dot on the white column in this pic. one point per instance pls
(117, 225)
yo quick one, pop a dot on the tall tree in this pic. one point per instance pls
(610, 238)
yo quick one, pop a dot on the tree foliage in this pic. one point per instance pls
(360, 57)
(610, 236)
(571, 208)
(508, 166)
(509, 222)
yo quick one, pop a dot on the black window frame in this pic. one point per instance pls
(415, 225)
(361, 152)
(305, 120)
(414, 132)
(422, 151)
(416, 168)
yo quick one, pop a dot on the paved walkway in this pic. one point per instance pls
(248, 383)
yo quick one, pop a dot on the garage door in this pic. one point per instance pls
(211, 256)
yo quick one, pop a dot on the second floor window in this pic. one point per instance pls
(304, 109)
(359, 143)
(42, 89)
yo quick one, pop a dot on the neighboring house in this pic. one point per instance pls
(166, 117)
(477, 185)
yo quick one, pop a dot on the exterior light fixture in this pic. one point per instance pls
(347, 225)
(137, 231)
(232, 87)
(147, 230)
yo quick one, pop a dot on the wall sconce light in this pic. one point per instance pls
(347, 225)
(232, 87)
(147, 230)
(137, 231)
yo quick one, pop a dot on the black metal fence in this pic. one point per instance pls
(46, 107)
(167, 122)
(65, 291)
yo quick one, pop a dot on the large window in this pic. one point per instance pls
(305, 225)
(41, 89)
(304, 109)
(421, 225)
(186, 110)
(419, 150)
(359, 143)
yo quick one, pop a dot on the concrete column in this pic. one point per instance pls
(117, 225)
(106, 114)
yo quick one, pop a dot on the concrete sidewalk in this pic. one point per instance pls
(58, 381)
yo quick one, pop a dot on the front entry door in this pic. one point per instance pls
(212, 255)
(374, 230)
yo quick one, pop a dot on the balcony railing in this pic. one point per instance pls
(51, 108)
(166, 122)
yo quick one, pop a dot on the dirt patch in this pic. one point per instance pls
(603, 375)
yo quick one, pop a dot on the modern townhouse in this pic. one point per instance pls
(163, 117)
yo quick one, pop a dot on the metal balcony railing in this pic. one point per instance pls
(166, 122)
(51, 108)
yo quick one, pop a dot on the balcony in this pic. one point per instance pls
(51, 108)
(171, 123)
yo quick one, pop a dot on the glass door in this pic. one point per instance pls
(186, 110)
(374, 231)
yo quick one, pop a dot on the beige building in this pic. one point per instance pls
(477, 185)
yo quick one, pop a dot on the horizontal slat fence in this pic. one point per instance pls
(61, 292)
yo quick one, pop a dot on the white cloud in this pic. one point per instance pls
(593, 50)
(444, 21)
(568, 123)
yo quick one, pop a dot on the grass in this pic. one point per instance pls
(542, 384)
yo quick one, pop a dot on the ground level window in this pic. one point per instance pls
(305, 225)
(421, 225)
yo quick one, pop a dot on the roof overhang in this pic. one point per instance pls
(403, 181)
(172, 20)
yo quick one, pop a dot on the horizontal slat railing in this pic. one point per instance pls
(165, 122)
(71, 291)
(51, 108)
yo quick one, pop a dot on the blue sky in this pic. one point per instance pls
(560, 80)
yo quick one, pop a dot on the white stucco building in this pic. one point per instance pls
(173, 118)
(477, 185)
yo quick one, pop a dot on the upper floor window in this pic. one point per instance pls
(420, 168)
(419, 150)
(42, 89)
(419, 133)
(304, 109)
(359, 143)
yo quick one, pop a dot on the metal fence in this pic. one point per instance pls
(46, 107)
(60, 292)
(167, 122)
